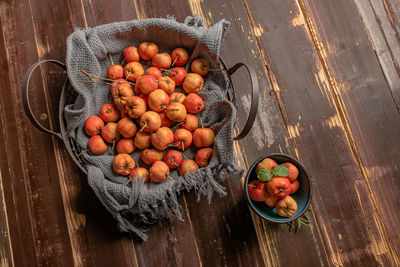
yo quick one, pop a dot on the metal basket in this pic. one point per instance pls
(69, 95)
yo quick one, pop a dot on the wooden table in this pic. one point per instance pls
(329, 74)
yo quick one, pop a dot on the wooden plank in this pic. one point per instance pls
(6, 254)
(366, 102)
(267, 136)
(350, 228)
(382, 21)
(35, 214)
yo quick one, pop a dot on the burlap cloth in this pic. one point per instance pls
(133, 205)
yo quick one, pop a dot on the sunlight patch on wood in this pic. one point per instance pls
(298, 20)
(258, 30)
(333, 121)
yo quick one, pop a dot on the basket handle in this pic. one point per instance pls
(254, 96)
(25, 95)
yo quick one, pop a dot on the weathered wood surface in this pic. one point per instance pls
(382, 20)
(326, 98)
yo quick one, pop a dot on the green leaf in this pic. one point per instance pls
(264, 175)
(280, 170)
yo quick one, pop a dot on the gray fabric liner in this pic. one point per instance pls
(133, 205)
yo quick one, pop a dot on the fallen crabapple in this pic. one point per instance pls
(97, 145)
(93, 125)
(126, 146)
(193, 83)
(135, 107)
(109, 112)
(188, 165)
(161, 61)
(146, 84)
(190, 123)
(203, 156)
(142, 140)
(131, 54)
(162, 138)
(179, 56)
(151, 155)
(154, 72)
(150, 121)
(139, 173)
(193, 103)
(158, 100)
(166, 84)
(177, 97)
(182, 139)
(110, 132)
(165, 122)
(203, 137)
(293, 171)
(173, 158)
(147, 50)
(176, 112)
(127, 128)
(286, 207)
(123, 164)
(178, 75)
(133, 70)
(122, 94)
(159, 171)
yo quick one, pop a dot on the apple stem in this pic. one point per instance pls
(205, 89)
(176, 58)
(98, 82)
(201, 123)
(174, 109)
(166, 70)
(183, 145)
(252, 185)
(171, 178)
(184, 156)
(83, 152)
(144, 126)
(112, 61)
(90, 76)
(123, 61)
(179, 124)
(129, 74)
(113, 146)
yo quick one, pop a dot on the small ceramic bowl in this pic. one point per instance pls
(302, 196)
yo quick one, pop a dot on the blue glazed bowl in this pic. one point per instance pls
(302, 196)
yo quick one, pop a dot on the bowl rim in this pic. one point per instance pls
(249, 201)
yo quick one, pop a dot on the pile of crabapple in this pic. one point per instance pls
(150, 115)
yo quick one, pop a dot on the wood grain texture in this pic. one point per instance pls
(269, 135)
(316, 128)
(32, 195)
(382, 19)
(6, 257)
(369, 113)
